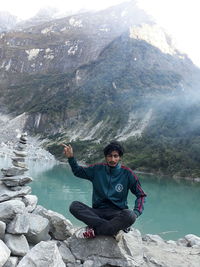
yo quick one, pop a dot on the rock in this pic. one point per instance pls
(20, 159)
(166, 256)
(153, 238)
(65, 252)
(2, 229)
(12, 171)
(6, 193)
(38, 229)
(11, 262)
(60, 227)
(19, 225)
(30, 202)
(103, 250)
(44, 254)
(182, 242)
(193, 240)
(20, 153)
(16, 180)
(24, 138)
(89, 263)
(22, 141)
(9, 209)
(4, 253)
(19, 164)
(17, 244)
(21, 147)
(171, 242)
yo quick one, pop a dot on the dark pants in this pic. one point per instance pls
(104, 221)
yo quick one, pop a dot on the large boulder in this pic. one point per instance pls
(167, 255)
(193, 240)
(44, 254)
(9, 193)
(9, 209)
(2, 229)
(38, 229)
(60, 227)
(11, 262)
(4, 253)
(65, 252)
(17, 244)
(19, 225)
(107, 251)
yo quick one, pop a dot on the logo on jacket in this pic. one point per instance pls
(119, 187)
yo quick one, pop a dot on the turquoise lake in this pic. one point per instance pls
(172, 208)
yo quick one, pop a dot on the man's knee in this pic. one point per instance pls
(129, 216)
(74, 206)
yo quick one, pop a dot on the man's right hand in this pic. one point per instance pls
(68, 151)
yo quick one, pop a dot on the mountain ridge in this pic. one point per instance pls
(86, 79)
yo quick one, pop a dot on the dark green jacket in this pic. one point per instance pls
(111, 185)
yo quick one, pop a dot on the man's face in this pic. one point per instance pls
(113, 158)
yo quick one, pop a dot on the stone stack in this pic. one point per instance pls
(24, 224)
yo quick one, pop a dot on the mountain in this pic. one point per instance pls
(113, 74)
(7, 21)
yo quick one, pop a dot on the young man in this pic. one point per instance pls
(111, 182)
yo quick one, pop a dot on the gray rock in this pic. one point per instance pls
(193, 240)
(12, 171)
(20, 153)
(38, 229)
(103, 250)
(8, 193)
(16, 180)
(21, 147)
(9, 209)
(171, 242)
(19, 225)
(24, 138)
(89, 263)
(20, 159)
(60, 227)
(166, 256)
(153, 238)
(5, 253)
(182, 242)
(44, 254)
(30, 202)
(65, 252)
(19, 164)
(11, 262)
(2, 229)
(22, 141)
(17, 244)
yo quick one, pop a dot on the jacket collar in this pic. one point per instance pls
(113, 170)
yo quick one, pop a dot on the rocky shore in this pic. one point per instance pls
(32, 236)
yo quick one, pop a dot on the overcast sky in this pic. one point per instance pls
(181, 18)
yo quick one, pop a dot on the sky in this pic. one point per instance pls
(181, 18)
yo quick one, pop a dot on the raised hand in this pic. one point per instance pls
(68, 151)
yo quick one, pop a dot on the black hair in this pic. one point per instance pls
(113, 146)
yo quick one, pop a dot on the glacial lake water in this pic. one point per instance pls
(172, 208)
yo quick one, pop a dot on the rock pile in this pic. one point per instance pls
(32, 236)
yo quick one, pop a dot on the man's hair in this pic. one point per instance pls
(113, 146)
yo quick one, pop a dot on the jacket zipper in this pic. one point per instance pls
(109, 183)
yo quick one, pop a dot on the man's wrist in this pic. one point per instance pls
(136, 213)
